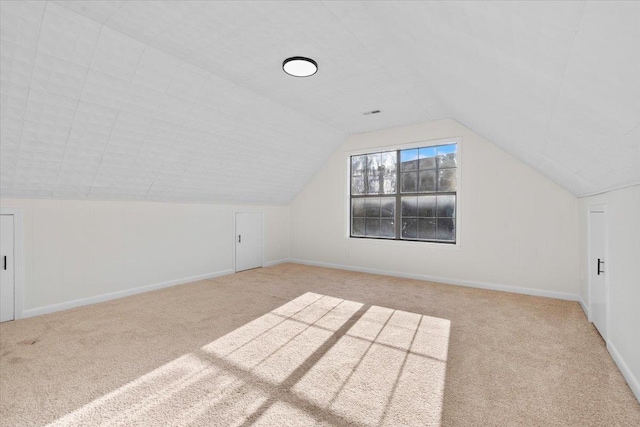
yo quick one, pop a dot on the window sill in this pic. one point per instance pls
(405, 243)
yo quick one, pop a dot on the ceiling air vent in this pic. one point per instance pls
(371, 112)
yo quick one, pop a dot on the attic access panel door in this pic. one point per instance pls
(597, 271)
(248, 240)
(7, 272)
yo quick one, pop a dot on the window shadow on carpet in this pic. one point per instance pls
(317, 360)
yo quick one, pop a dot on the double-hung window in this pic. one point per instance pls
(408, 194)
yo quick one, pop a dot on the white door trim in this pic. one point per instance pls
(235, 213)
(18, 248)
(607, 266)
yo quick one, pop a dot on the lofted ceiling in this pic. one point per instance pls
(187, 101)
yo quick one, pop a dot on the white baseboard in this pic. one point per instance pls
(119, 294)
(276, 262)
(633, 382)
(585, 308)
(459, 282)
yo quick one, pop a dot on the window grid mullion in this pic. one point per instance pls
(398, 199)
(398, 213)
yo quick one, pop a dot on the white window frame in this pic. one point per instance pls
(392, 242)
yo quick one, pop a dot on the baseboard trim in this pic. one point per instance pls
(276, 262)
(459, 282)
(38, 311)
(585, 308)
(633, 382)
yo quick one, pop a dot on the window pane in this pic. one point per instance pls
(409, 228)
(427, 206)
(357, 185)
(427, 181)
(372, 207)
(372, 227)
(447, 156)
(357, 165)
(388, 207)
(357, 227)
(373, 184)
(387, 228)
(409, 160)
(427, 158)
(426, 228)
(446, 229)
(429, 216)
(389, 160)
(357, 207)
(447, 206)
(409, 206)
(373, 164)
(409, 181)
(389, 184)
(447, 180)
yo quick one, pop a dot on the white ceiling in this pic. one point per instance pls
(186, 100)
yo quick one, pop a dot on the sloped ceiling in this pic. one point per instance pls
(187, 101)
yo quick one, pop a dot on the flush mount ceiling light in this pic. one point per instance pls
(299, 66)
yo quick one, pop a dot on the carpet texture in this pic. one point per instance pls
(299, 345)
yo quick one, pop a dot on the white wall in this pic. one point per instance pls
(517, 229)
(79, 252)
(622, 269)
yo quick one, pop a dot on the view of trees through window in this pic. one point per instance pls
(415, 201)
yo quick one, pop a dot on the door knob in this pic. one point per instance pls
(600, 262)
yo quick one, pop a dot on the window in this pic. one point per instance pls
(413, 201)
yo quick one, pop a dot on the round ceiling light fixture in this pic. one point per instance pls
(299, 66)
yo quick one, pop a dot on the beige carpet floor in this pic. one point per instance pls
(299, 345)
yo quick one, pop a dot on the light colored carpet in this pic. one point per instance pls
(298, 345)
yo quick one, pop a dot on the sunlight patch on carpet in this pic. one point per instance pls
(317, 360)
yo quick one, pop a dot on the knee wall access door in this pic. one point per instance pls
(248, 240)
(7, 270)
(598, 269)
